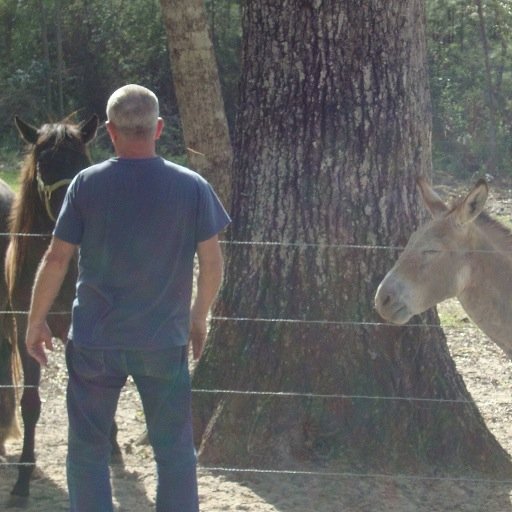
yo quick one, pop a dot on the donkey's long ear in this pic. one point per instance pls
(28, 132)
(433, 202)
(88, 129)
(473, 204)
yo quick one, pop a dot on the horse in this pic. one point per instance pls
(460, 252)
(57, 152)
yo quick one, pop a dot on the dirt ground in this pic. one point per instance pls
(486, 371)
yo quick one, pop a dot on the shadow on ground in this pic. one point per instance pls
(299, 493)
(47, 496)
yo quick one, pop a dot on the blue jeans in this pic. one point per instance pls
(96, 378)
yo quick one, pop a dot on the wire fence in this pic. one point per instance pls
(291, 394)
(321, 474)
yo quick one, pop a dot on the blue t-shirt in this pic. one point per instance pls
(138, 223)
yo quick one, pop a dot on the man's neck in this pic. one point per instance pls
(135, 149)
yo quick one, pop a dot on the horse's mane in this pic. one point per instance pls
(28, 207)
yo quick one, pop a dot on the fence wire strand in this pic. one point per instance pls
(340, 474)
(320, 474)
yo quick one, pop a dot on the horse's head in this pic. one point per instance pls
(433, 266)
(58, 153)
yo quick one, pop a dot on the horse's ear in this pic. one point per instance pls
(473, 204)
(433, 202)
(88, 128)
(28, 132)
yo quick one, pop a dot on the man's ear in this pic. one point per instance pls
(111, 129)
(159, 128)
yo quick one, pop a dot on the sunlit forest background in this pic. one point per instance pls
(59, 57)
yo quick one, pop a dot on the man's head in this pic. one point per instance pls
(134, 111)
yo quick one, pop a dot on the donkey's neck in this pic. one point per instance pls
(487, 296)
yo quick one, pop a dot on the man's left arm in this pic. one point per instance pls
(50, 275)
(211, 265)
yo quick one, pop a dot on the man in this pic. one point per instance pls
(138, 220)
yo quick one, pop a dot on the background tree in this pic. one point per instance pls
(197, 86)
(334, 126)
(72, 62)
(106, 43)
(471, 80)
(225, 29)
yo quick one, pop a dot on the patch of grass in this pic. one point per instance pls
(10, 161)
(10, 177)
(506, 220)
(451, 313)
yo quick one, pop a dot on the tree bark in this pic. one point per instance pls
(334, 127)
(197, 86)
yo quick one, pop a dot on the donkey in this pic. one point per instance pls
(461, 252)
(58, 151)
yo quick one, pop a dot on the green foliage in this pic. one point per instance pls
(10, 167)
(226, 33)
(104, 44)
(472, 103)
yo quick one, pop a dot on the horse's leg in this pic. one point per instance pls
(116, 455)
(8, 420)
(30, 411)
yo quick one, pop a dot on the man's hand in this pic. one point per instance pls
(38, 338)
(198, 330)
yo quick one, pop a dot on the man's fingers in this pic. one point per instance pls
(49, 343)
(37, 341)
(198, 338)
(38, 354)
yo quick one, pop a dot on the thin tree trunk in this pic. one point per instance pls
(490, 96)
(334, 127)
(197, 86)
(60, 58)
(46, 55)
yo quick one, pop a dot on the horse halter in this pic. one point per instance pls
(46, 191)
(51, 163)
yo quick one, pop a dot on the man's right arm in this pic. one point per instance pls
(50, 275)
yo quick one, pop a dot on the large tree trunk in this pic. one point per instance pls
(197, 86)
(334, 127)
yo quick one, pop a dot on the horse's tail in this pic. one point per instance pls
(10, 378)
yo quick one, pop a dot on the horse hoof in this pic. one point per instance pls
(116, 457)
(15, 501)
(37, 474)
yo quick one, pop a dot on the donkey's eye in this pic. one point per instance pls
(430, 252)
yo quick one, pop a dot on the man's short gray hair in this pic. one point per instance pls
(133, 109)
